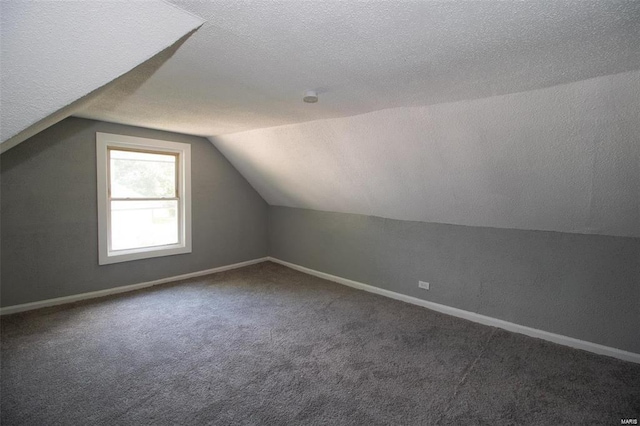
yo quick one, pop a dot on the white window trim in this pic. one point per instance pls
(107, 140)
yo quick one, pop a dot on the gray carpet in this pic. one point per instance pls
(269, 345)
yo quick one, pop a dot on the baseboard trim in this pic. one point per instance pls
(122, 289)
(472, 316)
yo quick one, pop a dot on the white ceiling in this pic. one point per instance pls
(565, 158)
(54, 53)
(506, 114)
(250, 63)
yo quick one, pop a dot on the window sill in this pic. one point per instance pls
(142, 253)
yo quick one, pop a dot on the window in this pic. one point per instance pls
(144, 198)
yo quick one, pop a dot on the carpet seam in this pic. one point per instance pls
(465, 375)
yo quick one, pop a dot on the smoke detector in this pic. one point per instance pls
(310, 97)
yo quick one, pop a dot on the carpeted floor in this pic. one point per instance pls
(269, 345)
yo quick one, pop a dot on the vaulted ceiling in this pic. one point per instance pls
(506, 114)
(250, 63)
(54, 54)
(564, 158)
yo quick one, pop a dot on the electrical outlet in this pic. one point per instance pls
(423, 284)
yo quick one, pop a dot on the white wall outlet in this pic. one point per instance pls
(423, 285)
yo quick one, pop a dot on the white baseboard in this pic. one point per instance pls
(472, 316)
(122, 289)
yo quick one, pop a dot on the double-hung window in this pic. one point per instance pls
(144, 198)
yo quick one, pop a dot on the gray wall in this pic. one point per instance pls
(582, 286)
(48, 225)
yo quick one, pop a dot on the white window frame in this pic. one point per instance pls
(105, 141)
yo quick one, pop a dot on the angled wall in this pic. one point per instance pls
(564, 158)
(54, 53)
(48, 228)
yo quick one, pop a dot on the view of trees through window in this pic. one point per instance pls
(142, 175)
(144, 205)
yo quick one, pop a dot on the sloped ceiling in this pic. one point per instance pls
(250, 63)
(506, 114)
(565, 158)
(54, 53)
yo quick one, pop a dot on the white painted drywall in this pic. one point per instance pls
(54, 53)
(564, 158)
(560, 155)
(250, 64)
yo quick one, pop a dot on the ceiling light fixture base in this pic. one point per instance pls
(310, 97)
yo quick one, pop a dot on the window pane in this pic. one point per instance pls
(136, 224)
(142, 174)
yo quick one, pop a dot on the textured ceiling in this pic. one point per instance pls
(505, 114)
(54, 53)
(565, 158)
(250, 63)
